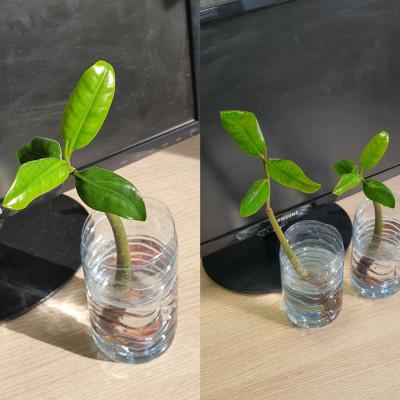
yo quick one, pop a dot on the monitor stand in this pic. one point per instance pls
(252, 265)
(39, 253)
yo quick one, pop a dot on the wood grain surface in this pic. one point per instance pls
(48, 354)
(249, 349)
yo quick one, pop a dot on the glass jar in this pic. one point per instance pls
(133, 311)
(375, 259)
(319, 247)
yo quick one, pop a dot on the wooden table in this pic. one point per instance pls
(48, 354)
(249, 350)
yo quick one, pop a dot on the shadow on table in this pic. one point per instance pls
(61, 321)
(348, 289)
(272, 312)
(256, 304)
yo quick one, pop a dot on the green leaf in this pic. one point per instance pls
(88, 106)
(34, 179)
(345, 166)
(347, 182)
(37, 148)
(243, 127)
(255, 197)
(377, 191)
(374, 150)
(288, 173)
(106, 191)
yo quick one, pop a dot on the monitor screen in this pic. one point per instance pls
(321, 76)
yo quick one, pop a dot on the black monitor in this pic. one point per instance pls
(44, 50)
(323, 78)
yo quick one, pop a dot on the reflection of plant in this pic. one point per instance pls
(376, 191)
(44, 167)
(243, 127)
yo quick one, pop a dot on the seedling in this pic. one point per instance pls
(44, 166)
(380, 194)
(244, 129)
(351, 176)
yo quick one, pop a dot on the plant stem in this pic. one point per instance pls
(297, 265)
(123, 250)
(378, 228)
(366, 261)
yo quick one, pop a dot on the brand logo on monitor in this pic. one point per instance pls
(287, 216)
